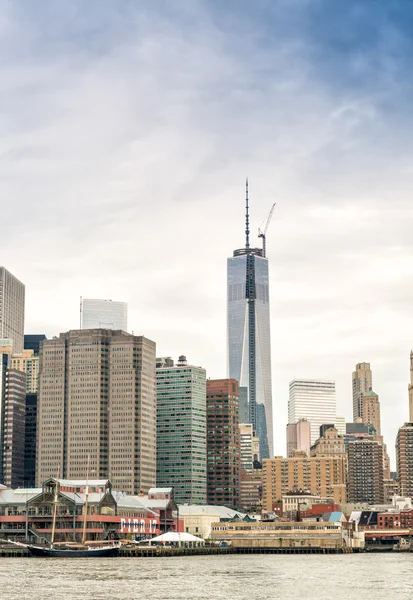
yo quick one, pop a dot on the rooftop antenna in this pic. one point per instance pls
(247, 218)
(81, 310)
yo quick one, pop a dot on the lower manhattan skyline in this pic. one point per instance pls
(127, 162)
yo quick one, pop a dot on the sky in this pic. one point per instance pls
(127, 130)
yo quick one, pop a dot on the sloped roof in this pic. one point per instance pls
(19, 496)
(209, 509)
(371, 394)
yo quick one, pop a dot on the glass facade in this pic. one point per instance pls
(248, 334)
(181, 432)
(104, 314)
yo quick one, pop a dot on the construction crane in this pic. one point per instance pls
(263, 232)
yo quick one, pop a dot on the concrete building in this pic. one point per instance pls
(198, 519)
(362, 383)
(331, 444)
(323, 476)
(314, 400)
(28, 363)
(104, 314)
(97, 399)
(411, 389)
(12, 293)
(250, 447)
(298, 437)
(365, 472)
(33, 341)
(181, 431)
(341, 425)
(404, 459)
(12, 424)
(248, 334)
(370, 410)
(250, 493)
(223, 442)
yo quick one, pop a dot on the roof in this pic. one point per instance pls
(368, 517)
(371, 393)
(160, 490)
(83, 482)
(20, 496)
(2, 487)
(125, 501)
(209, 509)
(173, 536)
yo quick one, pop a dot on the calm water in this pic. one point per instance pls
(365, 577)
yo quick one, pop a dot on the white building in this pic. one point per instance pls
(104, 314)
(12, 294)
(314, 400)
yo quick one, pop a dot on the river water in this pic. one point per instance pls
(313, 577)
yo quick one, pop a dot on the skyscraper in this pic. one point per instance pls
(298, 437)
(404, 459)
(370, 410)
(104, 314)
(365, 472)
(314, 400)
(223, 443)
(97, 399)
(411, 389)
(362, 383)
(248, 334)
(12, 309)
(181, 430)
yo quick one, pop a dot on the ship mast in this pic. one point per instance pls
(56, 492)
(86, 502)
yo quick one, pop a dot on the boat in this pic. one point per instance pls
(72, 549)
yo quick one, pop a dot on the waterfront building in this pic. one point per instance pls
(198, 519)
(298, 437)
(404, 459)
(362, 381)
(97, 399)
(104, 314)
(12, 423)
(248, 335)
(365, 471)
(28, 363)
(181, 431)
(33, 341)
(411, 389)
(314, 400)
(12, 293)
(223, 442)
(330, 444)
(321, 475)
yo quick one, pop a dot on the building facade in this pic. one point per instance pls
(12, 294)
(97, 400)
(248, 335)
(323, 476)
(104, 314)
(362, 382)
(365, 472)
(223, 442)
(411, 389)
(370, 410)
(33, 341)
(30, 441)
(314, 400)
(12, 424)
(181, 431)
(330, 444)
(29, 364)
(404, 459)
(298, 437)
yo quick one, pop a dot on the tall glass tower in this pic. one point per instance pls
(248, 335)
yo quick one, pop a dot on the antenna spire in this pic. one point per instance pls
(247, 218)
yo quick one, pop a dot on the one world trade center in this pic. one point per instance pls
(248, 336)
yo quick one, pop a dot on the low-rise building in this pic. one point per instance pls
(198, 520)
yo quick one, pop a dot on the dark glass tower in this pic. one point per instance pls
(248, 334)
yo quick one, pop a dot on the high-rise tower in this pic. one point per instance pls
(248, 333)
(362, 383)
(411, 389)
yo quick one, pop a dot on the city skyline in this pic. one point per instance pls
(123, 169)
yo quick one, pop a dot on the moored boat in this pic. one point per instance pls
(72, 552)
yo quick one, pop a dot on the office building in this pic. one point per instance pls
(28, 363)
(323, 476)
(314, 400)
(97, 399)
(250, 448)
(330, 443)
(411, 389)
(298, 437)
(250, 494)
(30, 441)
(370, 410)
(12, 424)
(223, 443)
(248, 334)
(365, 472)
(362, 383)
(103, 314)
(33, 341)
(341, 425)
(181, 431)
(404, 459)
(11, 309)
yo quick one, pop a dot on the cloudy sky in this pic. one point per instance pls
(127, 130)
